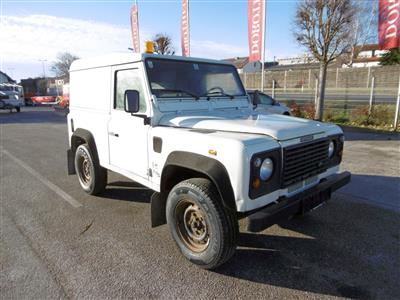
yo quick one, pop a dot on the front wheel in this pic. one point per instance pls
(92, 177)
(18, 109)
(204, 231)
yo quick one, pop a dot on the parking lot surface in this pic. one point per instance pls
(58, 242)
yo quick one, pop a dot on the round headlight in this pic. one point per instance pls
(266, 169)
(331, 149)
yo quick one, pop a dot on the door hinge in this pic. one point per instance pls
(150, 172)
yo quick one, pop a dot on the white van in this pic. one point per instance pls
(185, 128)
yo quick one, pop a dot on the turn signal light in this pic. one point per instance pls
(256, 183)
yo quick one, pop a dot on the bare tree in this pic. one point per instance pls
(322, 26)
(363, 28)
(163, 44)
(61, 66)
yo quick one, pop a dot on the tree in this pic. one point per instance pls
(391, 57)
(61, 66)
(163, 44)
(363, 28)
(322, 26)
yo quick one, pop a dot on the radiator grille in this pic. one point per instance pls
(304, 160)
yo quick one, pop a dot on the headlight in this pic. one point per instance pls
(266, 169)
(331, 149)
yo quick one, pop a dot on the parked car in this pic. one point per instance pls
(185, 128)
(11, 96)
(265, 103)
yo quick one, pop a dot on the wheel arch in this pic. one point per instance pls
(79, 137)
(181, 165)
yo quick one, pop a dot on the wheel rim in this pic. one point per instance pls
(192, 225)
(85, 168)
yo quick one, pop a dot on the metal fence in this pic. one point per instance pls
(349, 91)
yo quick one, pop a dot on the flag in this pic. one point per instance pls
(389, 24)
(255, 25)
(135, 28)
(185, 42)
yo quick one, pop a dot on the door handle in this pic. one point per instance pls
(114, 134)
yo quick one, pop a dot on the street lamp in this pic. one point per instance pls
(43, 66)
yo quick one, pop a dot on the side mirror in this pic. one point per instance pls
(131, 101)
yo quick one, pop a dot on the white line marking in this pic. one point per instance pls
(46, 182)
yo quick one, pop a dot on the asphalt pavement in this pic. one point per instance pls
(58, 242)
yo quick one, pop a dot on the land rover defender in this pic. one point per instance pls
(186, 129)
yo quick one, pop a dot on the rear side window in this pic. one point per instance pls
(128, 80)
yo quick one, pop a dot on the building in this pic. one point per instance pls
(243, 65)
(296, 60)
(367, 56)
(4, 78)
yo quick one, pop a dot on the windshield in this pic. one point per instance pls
(173, 79)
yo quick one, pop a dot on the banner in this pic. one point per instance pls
(389, 24)
(185, 43)
(255, 25)
(135, 29)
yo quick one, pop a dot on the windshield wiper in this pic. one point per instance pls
(208, 95)
(180, 91)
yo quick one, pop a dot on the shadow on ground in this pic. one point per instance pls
(366, 134)
(347, 249)
(343, 249)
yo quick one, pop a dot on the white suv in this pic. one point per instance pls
(185, 128)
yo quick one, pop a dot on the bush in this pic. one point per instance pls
(309, 111)
(381, 115)
(294, 109)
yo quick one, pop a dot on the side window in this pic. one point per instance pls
(128, 80)
(265, 99)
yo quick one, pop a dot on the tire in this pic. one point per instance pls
(18, 108)
(2, 104)
(92, 177)
(205, 232)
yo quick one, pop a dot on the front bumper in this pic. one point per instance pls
(297, 204)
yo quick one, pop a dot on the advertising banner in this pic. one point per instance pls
(389, 24)
(255, 25)
(135, 29)
(185, 42)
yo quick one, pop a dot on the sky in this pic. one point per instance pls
(33, 32)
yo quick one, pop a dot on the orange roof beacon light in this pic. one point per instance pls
(148, 47)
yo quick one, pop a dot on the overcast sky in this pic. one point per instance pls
(35, 30)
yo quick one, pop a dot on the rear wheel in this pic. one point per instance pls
(204, 231)
(92, 177)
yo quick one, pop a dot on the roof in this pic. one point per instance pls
(125, 58)
(238, 62)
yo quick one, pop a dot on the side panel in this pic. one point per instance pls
(90, 96)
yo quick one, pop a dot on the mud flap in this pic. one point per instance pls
(158, 204)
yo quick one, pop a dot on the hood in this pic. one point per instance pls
(280, 127)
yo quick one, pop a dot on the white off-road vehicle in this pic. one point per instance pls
(186, 128)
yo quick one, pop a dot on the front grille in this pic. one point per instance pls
(304, 160)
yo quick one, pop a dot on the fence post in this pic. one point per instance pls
(396, 115)
(273, 88)
(337, 75)
(245, 79)
(371, 95)
(309, 78)
(369, 73)
(284, 85)
(316, 92)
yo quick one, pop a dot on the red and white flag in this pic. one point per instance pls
(135, 28)
(255, 24)
(185, 38)
(389, 24)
